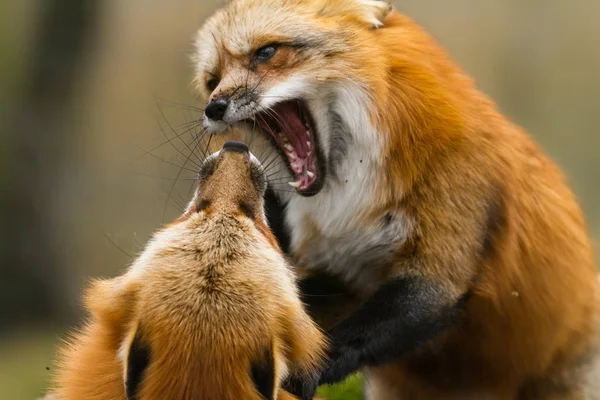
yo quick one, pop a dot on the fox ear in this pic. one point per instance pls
(112, 302)
(136, 363)
(371, 12)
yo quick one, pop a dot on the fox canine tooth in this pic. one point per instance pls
(310, 174)
(294, 184)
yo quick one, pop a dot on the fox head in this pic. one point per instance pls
(299, 72)
(209, 310)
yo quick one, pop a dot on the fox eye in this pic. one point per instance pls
(212, 84)
(265, 53)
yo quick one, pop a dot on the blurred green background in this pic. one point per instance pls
(79, 86)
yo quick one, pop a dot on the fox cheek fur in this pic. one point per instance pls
(442, 250)
(307, 67)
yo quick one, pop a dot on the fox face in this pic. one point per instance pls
(209, 310)
(297, 72)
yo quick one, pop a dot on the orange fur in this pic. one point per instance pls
(484, 209)
(209, 295)
(534, 318)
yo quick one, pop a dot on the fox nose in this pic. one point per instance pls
(235, 146)
(216, 109)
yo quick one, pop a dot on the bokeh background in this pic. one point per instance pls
(95, 99)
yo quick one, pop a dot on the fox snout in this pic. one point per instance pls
(231, 106)
(216, 109)
(231, 181)
(235, 97)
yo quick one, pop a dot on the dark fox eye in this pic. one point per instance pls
(212, 84)
(265, 53)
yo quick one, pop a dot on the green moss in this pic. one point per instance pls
(351, 389)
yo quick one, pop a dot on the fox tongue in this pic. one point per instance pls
(293, 128)
(284, 122)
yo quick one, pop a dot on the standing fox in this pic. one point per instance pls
(445, 254)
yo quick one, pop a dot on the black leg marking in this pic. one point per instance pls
(397, 319)
(302, 386)
(319, 290)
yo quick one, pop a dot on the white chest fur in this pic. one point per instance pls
(328, 231)
(328, 234)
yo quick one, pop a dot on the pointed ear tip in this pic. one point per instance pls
(384, 8)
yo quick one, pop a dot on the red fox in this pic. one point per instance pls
(445, 254)
(210, 309)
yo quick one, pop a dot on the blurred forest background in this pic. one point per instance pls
(84, 179)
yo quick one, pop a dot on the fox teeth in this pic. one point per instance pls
(308, 144)
(310, 174)
(308, 133)
(288, 147)
(292, 156)
(295, 184)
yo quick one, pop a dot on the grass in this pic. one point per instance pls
(351, 389)
(25, 361)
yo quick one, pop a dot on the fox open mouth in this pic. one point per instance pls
(291, 126)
